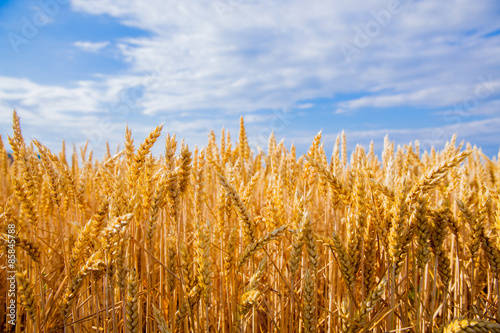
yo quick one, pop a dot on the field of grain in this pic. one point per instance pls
(223, 239)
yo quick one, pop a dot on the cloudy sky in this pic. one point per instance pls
(82, 69)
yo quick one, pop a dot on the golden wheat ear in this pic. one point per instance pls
(219, 239)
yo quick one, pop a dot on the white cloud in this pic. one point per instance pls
(342, 111)
(258, 54)
(93, 47)
(51, 100)
(229, 57)
(437, 96)
(305, 106)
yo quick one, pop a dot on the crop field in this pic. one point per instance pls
(226, 239)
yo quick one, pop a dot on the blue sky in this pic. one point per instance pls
(416, 70)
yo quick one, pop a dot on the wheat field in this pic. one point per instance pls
(225, 239)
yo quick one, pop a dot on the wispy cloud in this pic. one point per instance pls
(50, 100)
(437, 96)
(93, 47)
(256, 56)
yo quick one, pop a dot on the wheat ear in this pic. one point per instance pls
(470, 326)
(259, 244)
(26, 293)
(132, 303)
(308, 294)
(160, 320)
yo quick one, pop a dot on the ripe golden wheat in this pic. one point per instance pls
(223, 239)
